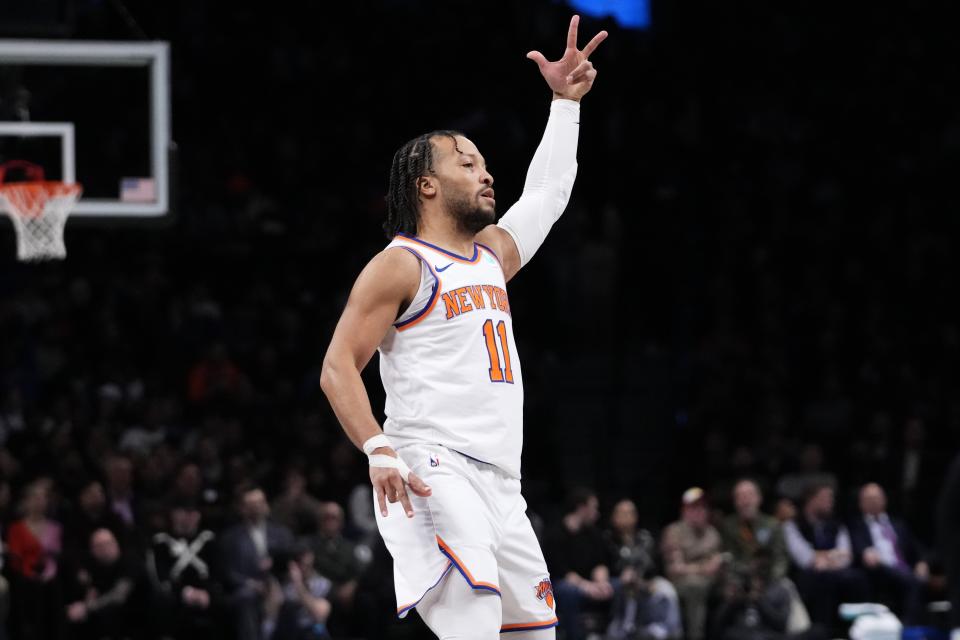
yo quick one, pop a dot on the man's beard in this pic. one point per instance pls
(470, 217)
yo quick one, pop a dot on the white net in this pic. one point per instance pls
(39, 213)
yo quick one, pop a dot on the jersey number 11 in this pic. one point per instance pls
(498, 373)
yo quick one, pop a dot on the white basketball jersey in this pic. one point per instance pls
(449, 364)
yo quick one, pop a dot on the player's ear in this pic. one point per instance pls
(426, 187)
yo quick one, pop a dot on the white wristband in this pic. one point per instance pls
(374, 443)
(389, 462)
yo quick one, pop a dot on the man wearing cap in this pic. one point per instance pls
(691, 553)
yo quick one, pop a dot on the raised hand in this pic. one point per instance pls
(572, 75)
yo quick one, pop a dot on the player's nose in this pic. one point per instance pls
(486, 178)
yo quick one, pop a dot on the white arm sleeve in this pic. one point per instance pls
(549, 181)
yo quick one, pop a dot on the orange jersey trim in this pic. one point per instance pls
(529, 626)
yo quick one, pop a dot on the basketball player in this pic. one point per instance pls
(434, 303)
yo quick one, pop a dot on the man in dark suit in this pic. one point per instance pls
(948, 531)
(250, 549)
(889, 554)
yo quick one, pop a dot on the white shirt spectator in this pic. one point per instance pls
(803, 553)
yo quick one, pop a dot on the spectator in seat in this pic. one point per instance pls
(247, 555)
(887, 551)
(748, 534)
(819, 547)
(338, 559)
(579, 562)
(99, 592)
(34, 544)
(645, 605)
(90, 513)
(691, 550)
(181, 568)
(295, 508)
(118, 471)
(749, 530)
(299, 605)
(752, 607)
(190, 487)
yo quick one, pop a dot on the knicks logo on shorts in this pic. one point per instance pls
(544, 591)
(434, 461)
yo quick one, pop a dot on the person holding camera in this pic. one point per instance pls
(752, 606)
(645, 606)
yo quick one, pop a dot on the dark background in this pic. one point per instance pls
(758, 258)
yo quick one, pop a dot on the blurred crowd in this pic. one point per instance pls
(156, 542)
(755, 279)
(728, 570)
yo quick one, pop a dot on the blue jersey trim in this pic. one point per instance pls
(476, 251)
(471, 457)
(433, 294)
(402, 612)
(473, 585)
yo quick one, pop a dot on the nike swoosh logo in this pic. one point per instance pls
(444, 268)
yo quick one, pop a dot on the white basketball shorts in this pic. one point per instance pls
(474, 524)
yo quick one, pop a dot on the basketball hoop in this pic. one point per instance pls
(38, 209)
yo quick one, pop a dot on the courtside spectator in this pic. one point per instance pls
(819, 547)
(579, 562)
(645, 605)
(749, 534)
(888, 552)
(748, 531)
(692, 557)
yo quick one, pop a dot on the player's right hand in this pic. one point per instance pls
(390, 487)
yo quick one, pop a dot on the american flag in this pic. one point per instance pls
(138, 190)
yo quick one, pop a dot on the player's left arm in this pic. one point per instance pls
(553, 169)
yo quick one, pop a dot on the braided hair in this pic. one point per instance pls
(411, 161)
